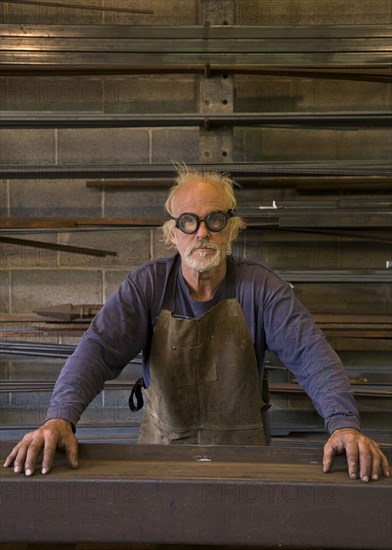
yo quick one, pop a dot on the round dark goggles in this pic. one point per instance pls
(215, 221)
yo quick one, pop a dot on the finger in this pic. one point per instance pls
(20, 458)
(376, 464)
(384, 465)
(11, 457)
(380, 463)
(71, 449)
(352, 456)
(329, 454)
(48, 455)
(366, 457)
(33, 451)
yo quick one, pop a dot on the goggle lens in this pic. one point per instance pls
(215, 221)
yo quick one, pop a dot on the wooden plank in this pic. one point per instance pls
(349, 220)
(78, 6)
(118, 45)
(42, 223)
(343, 317)
(360, 344)
(221, 32)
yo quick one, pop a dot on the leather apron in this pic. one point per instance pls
(204, 382)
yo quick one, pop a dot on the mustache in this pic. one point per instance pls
(203, 244)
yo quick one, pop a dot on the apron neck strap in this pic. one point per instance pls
(168, 299)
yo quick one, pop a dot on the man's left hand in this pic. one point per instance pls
(364, 456)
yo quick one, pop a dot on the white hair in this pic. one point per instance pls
(220, 180)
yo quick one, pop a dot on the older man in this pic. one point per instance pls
(203, 321)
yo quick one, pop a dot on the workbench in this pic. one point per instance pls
(152, 494)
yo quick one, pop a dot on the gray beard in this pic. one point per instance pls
(210, 263)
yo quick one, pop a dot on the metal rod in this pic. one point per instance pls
(318, 33)
(76, 222)
(60, 247)
(141, 63)
(82, 6)
(147, 45)
(301, 181)
(271, 120)
(364, 74)
(269, 169)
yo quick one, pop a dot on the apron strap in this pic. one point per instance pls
(230, 278)
(136, 393)
(168, 299)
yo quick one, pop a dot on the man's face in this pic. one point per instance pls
(203, 250)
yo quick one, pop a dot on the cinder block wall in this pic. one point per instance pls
(32, 278)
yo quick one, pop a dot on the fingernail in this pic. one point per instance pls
(353, 476)
(365, 479)
(17, 470)
(325, 468)
(28, 472)
(44, 470)
(375, 477)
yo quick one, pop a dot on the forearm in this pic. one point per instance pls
(80, 381)
(301, 346)
(326, 382)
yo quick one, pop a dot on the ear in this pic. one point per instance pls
(172, 233)
(173, 238)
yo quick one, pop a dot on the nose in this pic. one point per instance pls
(203, 231)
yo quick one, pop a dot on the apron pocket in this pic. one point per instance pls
(192, 365)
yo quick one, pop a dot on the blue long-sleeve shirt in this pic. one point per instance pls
(277, 322)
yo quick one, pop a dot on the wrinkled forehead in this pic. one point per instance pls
(199, 197)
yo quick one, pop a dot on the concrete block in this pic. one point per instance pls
(46, 198)
(33, 289)
(309, 12)
(21, 255)
(366, 144)
(117, 399)
(32, 405)
(305, 144)
(25, 410)
(131, 372)
(69, 339)
(103, 146)
(5, 400)
(293, 251)
(170, 12)
(116, 409)
(175, 144)
(30, 14)
(62, 93)
(159, 247)
(112, 280)
(143, 94)
(260, 93)
(138, 203)
(31, 147)
(4, 202)
(5, 281)
(35, 368)
(132, 247)
(358, 298)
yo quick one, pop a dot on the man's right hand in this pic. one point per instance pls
(55, 433)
